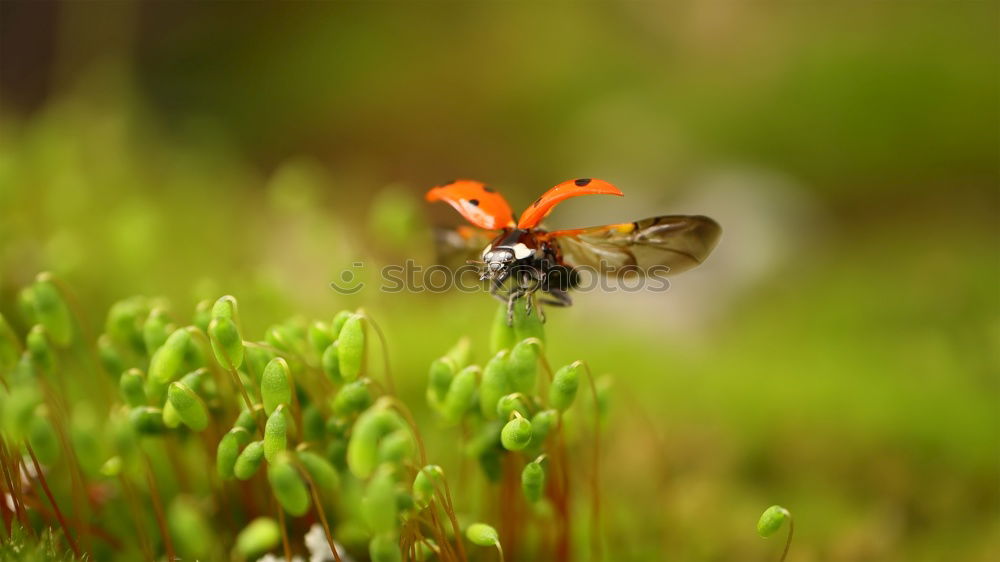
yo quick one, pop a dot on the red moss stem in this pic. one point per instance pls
(55, 506)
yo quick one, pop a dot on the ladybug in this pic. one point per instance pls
(522, 258)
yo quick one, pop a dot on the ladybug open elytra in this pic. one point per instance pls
(523, 258)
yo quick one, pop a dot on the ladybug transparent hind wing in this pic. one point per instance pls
(455, 247)
(677, 242)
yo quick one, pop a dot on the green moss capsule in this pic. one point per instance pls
(461, 394)
(9, 346)
(26, 304)
(527, 324)
(323, 474)
(121, 434)
(425, 484)
(111, 361)
(396, 447)
(276, 385)
(541, 425)
(42, 437)
(533, 481)
(287, 484)
(18, 410)
(336, 453)
(330, 361)
(338, 322)
(337, 428)
(228, 450)
(404, 501)
(199, 349)
(147, 420)
(199, 380)
(124, 323)
(351, 347)
(171, 418)
(771, 520)
(24, 372)
(248, 418)
(362, 449)
(111, 467)
(226, 307)
(52, 311)
(491, 463)
(487, 437)
(501, 334)
(252, 390)
(385, 548)
(43, 357)
(604, 387)
(516, 434)
(166, 363)
(131, 386)
(256, 358)
(313, 424)
(460, 353)
(189, 406)
(202, 315)
(227, 343)
(351, 398)
(511, 403)
(439, 378)
(319, 336)
(378, 507)
(285, 338)
(258, 537)
(249, 460)
(523, 365)
(276, 432)
(495, 384)
(481, 534)
(190, 528)
(565, 383)
(154, 330)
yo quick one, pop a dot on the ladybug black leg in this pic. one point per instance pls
(524, 287)
(531, 282)
(496, 289)
(515, 294)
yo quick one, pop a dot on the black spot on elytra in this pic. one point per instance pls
(488, 189)
(474, 202)
(582, 181)
(537, 201)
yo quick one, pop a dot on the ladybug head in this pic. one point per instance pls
(496, 263)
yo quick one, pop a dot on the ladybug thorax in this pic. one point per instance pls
(510, 247)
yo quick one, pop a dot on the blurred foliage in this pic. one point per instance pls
(22, 547)
(837, 356)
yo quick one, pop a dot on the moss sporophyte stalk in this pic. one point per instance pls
(209, 444)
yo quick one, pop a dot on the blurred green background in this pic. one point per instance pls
(838, 354)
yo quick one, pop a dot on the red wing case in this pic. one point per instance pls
(479, 204)
(544, 204)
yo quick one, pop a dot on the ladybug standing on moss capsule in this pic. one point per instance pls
(522, 258)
